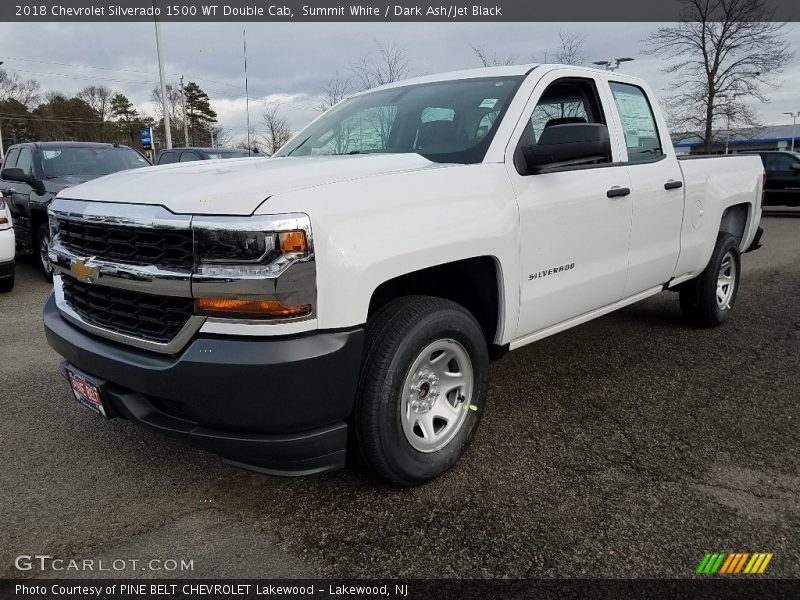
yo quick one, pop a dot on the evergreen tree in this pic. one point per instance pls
(199, 114)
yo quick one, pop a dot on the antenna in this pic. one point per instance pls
(246, 91)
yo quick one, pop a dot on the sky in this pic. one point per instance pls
(289, 63)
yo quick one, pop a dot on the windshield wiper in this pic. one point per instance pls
(300, 145)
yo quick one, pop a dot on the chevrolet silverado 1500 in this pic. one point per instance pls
(349, 294)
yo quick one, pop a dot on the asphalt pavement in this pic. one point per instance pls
(626, 447)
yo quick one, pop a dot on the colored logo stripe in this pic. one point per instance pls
(734, 563)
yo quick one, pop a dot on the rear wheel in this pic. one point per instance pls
(707, 300)
(42, 249)
(422, 390)
(6, 284)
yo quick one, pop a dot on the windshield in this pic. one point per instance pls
(89, 163)
(447, 121)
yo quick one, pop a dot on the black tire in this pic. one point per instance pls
(43, 240)
(395, 339)
(698, 297)
(6, 284)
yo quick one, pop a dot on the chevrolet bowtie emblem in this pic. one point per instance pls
(82, 271)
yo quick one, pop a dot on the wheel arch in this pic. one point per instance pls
(475, 283)
(735, 220)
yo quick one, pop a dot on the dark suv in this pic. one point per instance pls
(174, 155)
(782, 186)
(34, 173)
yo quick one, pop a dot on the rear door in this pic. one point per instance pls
(656, 189)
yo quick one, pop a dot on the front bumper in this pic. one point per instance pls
(273, 404)
(6, 269)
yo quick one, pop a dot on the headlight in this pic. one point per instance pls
(5, 218)
(254, 266)
(242, 253)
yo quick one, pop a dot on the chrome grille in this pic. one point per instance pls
(145, 316)
(167, 248)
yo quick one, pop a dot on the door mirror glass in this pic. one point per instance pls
(568, 144)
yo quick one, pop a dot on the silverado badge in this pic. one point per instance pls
(82, 271)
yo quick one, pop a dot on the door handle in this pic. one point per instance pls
(672, 184)
(618, 192)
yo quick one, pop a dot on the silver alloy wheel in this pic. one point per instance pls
(437, 394)
(726, 280)
(44, 248)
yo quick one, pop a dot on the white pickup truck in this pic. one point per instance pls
(349, 294)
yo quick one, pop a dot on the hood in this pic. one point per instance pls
(236, 186)
(56, 184)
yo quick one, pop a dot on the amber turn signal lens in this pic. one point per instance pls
(293, 241)
(264, 308)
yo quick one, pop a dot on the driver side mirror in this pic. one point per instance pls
(568, 144)
(21, 176)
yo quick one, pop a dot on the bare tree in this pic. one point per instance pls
(222, 136)
(277, 131)
(391, 64)
(174, 107)
(725, 52)
(98, 97)
(335, 90)
(494, 60)
(12, 87)
(570, 51)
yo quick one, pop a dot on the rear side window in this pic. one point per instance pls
(167, 158)
(638, 122)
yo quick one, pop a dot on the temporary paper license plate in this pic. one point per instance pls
(87, 393)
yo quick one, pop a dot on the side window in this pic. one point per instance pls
(560, 104)
(638, 122)
(783, 162)
(564, 102)
(167, 158)
(189, 157)
(25, 161)
(11, 159)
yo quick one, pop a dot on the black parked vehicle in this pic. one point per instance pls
(174, 155)
(782, 186)
(34, 173)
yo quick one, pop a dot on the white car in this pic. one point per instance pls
(349, 293)
(7, 247)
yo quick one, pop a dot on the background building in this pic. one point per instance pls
(772, 137)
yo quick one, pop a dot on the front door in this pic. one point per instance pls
(574, 234)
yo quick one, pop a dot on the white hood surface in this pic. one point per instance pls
(236, 186)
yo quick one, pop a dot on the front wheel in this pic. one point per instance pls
(422, 389)
(42, 248)
(707, 300)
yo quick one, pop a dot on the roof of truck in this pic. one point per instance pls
(501, 71)
(76, 145)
